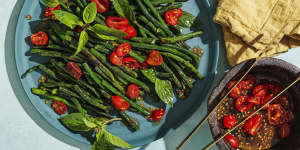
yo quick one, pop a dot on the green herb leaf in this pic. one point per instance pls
(164, 91)
(149, 74)
(83, 39)
(114, 140)
(51, 3)
(107, 33)
(186, 20)
(67, 18)
(101, 144)
(89, 13)
(77, 122)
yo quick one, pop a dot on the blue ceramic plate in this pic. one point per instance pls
(148, 132)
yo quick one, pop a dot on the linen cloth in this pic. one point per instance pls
(254, 28)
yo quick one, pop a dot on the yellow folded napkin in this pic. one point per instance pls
(254, 28)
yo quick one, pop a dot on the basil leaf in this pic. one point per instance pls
(114, 140)
(77, 122)
(186, 20)
(67, 18)
(149, 74)
(107, 33)
(83, 39)
(89, 13)
(51, 3)
(98, 121)
(164, 91)
(101, 144)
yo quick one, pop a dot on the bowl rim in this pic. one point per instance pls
(228, 76)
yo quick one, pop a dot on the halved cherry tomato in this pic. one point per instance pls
(274, 87)
(260, 90)
(49, 11)
(177, 12)
(74, 70)
(133, 91)
(144, 65)
(59, 107)
(155, 58)
(232, 140)
(266, 99)
(130, 30)
(39, 38)
(115, 59)
(123, 49)
(119, 103)
(236, 92)
(253, 125)
(253, 100)
(116, 22)
(229, 121)
(284, 130)
(242, 105)
(130, 63)
(276, 115)
(248, 82)
(102, 5)
(157, 115)
(171, 18)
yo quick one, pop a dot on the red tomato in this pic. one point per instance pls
(248, 82)
(260, 90)
(232, 140)
(229, 121)
(115, 59)
(266, 99)
(59, 107)
(116, 22)
(123, 49)
(171, 18)
(157, 115)
(119, 103)
(275, 87)
(74, 70)
(144, 65)
(236, 92)
(130, 30)
(155, 58)
(253, 100)
(130, 63)
(102, 5)
(284, 130)
(39, 38)
(49, 11)
(277, 115)
(253, 125)
(133, 91)
(242, 105)
(177, 12)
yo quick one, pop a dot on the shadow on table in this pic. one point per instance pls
(18, 89)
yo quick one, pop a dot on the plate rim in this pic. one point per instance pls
(212, 70)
